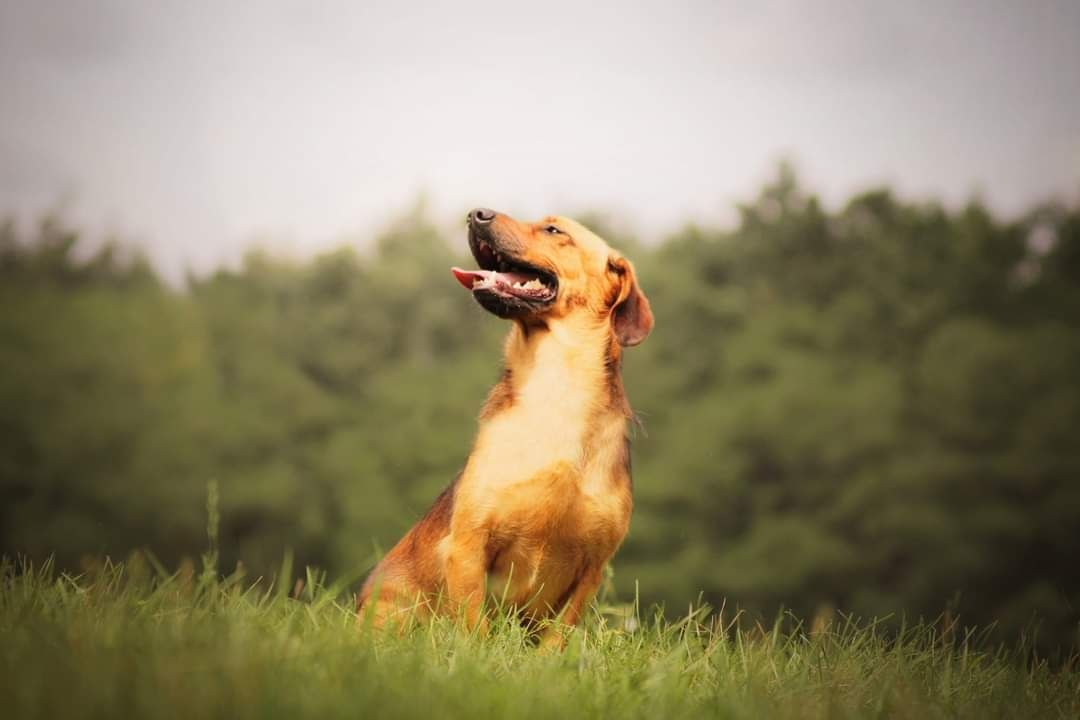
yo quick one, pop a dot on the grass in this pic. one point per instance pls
(139, 642)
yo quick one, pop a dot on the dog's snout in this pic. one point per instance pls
(481, 216)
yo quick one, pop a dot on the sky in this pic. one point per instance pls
(199, 129)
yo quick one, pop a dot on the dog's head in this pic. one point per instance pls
(543, 271)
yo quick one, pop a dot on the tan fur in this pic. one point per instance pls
(544, 499)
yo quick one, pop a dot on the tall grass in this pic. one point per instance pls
(137, 641)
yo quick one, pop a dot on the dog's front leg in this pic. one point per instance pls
(466, 575)
(554, 637)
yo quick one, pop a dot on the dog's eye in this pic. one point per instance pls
(552, 230)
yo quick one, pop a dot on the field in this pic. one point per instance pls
(140, 642)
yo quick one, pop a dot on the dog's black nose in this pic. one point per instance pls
(481, 216)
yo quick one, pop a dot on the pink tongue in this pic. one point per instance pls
(468, 277)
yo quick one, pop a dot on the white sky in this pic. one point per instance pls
(200, 128)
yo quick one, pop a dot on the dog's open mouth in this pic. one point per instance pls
(506, 276)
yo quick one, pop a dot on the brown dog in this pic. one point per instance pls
(545, 497)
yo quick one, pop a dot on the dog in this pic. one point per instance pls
(545, 497)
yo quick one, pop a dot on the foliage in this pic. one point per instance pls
(873, 409)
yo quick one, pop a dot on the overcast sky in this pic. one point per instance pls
(199, 128)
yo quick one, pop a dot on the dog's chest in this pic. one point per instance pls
(547, 530)
(548, 479)
(565, 504)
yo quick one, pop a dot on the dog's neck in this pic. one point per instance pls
(566, 366)
(560, 400)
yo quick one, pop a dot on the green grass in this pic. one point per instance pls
(135, 642)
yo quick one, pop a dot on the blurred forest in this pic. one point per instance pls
(875, 410)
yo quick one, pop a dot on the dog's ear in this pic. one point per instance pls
(631, 316)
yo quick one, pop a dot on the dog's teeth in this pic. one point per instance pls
(482, 283)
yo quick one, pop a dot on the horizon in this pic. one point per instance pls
(287, 249)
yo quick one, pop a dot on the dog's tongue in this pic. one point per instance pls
(468, 278)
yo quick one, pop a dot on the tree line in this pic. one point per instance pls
(873, 409)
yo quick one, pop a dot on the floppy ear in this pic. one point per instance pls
(631, 316)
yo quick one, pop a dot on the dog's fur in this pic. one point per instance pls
(544, 499)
